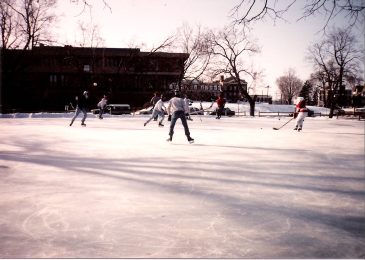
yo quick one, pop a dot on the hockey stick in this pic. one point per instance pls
(201, 110)
(283, 124)
(72, 106)
(198, 113)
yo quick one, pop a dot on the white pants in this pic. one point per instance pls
(155, 113)
(300, 119)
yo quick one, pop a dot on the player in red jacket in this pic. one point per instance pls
(301, 111)
(220, 103)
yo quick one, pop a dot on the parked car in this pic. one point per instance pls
(339, 111)
(226, 112)
(119, 109)
(360, 110)
(115, 109)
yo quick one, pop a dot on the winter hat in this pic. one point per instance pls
(299, 99)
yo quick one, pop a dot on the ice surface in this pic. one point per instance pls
(117, 189)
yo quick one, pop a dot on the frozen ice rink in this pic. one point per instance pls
(116, 189)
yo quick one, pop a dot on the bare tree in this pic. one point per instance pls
(164, 45)
(190, 41)
(318, 80)
(193, 41)
(338, 58)
(247, 11)
(230, 47)
(88, 4)
(33, 20)
(289, 85)
(90, 35)
(9, 28)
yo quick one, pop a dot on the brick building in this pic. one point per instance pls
(48, 78)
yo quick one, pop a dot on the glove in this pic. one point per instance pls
(295, 114)
(169, 118)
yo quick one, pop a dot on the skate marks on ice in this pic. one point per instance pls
(46, 221)
(160, 233)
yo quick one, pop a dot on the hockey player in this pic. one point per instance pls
(300, 113)
(102, 105)
(153, 101)
(220, 103)
(81, 107)
(158, 111)
(177, 109)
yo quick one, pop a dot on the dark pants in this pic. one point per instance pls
(219, 112)
(101, 111)
(78, 111)
(175, 116)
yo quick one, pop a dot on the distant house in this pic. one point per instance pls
(207, 91)
(48, 78)
(200, 90)
(231, 88)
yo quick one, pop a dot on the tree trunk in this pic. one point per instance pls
(252, 102)
(332, 103)
(332, 109)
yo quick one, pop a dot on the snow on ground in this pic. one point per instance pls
(116, 189)
(242, 108)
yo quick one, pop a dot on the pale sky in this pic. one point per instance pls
(133, 22)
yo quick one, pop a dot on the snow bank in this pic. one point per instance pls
(242, 108)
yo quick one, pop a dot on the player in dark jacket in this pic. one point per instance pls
(82, 105)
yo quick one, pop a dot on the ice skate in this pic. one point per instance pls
(299, 129)
(295, 128)
(83, 124)
(169, 139)
(160, 124)
(191, 140)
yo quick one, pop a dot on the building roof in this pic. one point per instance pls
(46, 50)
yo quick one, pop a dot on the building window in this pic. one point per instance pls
(52, 80)
(87, 68)
(113, 62)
